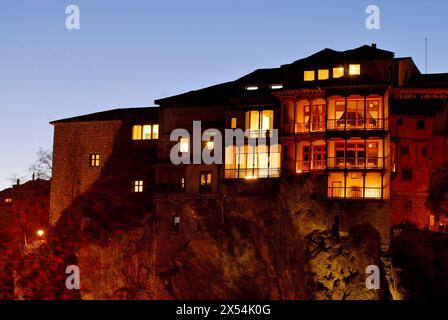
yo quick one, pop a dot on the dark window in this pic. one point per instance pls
(425, 151)
(406, 174)
(205, 183)
(399, 122)
(408, 205)
(421, 124)
(404, 150)
(94, 160)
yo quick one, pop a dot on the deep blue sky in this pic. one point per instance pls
(129, 53)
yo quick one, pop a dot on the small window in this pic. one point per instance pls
(404, 150)
(421, 124)
(276, 86)
(205, 184)
(309, 76)
(323, 74)
(252, 88)
(338, 72)
(233, 123)
(425, 151)
(406, 174)
(94, 160)
(354, 69)
(399, 122)
(182, 183)
(145, 132)
(138, 186)
(184, 145)
(176, 223)
(8, 200)
(407, 205)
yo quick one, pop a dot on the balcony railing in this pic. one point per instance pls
(259, 133)
(355, 124)
(302, 127)
(251, 173)
(355, 163)
(306, 166)
(354, 193)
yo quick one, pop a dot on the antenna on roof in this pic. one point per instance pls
(426, 55)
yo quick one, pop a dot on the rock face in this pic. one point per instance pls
(238, 247)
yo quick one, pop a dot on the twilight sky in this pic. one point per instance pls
(129, 53)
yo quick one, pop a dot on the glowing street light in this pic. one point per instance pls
(40, 233)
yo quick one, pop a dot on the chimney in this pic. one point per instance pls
(18, 182)
(374, 45)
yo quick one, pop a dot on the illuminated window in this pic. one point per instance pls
(145, 132)
(184, 145)
(323, 74)
(309, 76)
(252, 162)
(210, 145)
(205, 184)
(260, 120)
(338, 72)
(94, 160)
(182, 183)
(354, 69)
(8, 200)
(147, 129)
(233, 123)
(276, 86)
(251, 88)
(155, 131)
(138, 186)
(137, 133)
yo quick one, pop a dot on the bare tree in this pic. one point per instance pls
(42, 167)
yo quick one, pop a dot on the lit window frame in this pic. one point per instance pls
(233, 123)
(252, 88)
(184, 145)
(354, 69)
(205, 186)
(138, 186)
(337, 74)
(323, 74)
(277, 86)
(94, 160)
(138, 132)
(309, 75)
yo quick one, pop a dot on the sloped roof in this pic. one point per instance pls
(223, 93)
(150, 113)
(329, 56)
